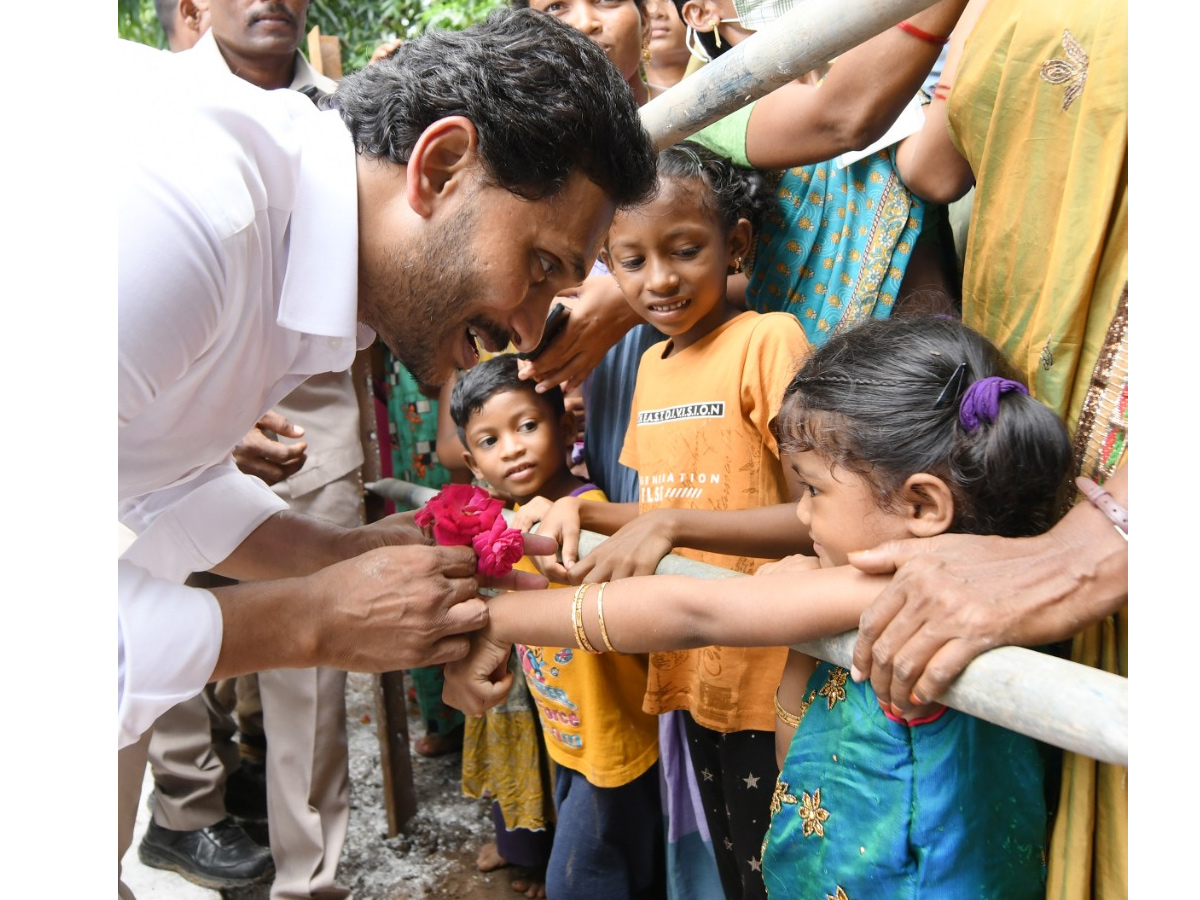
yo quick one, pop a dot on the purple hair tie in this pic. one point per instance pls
(981, 402)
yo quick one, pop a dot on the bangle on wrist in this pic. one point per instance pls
(789, 718)
(921, 34)
(1104, 501)
(581, 637)
(600, 616)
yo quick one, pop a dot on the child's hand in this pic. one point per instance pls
(559, 521)
(636, 548)
(481, 679)
(600, 316)
(797, 563)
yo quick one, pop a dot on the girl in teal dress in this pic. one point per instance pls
(908, 430)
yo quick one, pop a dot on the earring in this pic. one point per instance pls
(737, 264)
(716, 32)
(646, 51)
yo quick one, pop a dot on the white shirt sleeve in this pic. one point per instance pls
(168, 640)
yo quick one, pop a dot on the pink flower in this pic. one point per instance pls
(462, 515)
(498, 548)
(458, 513)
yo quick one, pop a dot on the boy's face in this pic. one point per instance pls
(516, 446)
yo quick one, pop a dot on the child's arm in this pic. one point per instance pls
(562, 521)
(766, 532)
(664, 612)
(790, 701)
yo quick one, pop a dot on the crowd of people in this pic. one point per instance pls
(769, 356)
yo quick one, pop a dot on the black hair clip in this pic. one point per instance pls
(953, 388)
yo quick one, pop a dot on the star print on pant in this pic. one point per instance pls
(736, 776)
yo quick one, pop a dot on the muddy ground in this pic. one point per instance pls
(435, 854)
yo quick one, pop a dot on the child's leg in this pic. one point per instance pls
(607, 841)
(736, 773)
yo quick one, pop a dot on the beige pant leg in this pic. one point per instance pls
(308, 783)
(190, 764)
(131, 771)
(308, 770)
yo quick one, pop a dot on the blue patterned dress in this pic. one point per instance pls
(870, 807)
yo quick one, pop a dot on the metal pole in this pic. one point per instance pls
(1075, 707)
(797, 42)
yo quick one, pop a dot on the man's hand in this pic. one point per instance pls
(481, 679)
(261, 453)
(955, 596)
(599, 317)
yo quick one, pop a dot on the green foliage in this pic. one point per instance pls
(362, 25)
(136, 21)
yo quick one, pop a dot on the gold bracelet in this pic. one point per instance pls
(786, 717)
(577, 613)
(581, 637)
(600, 616)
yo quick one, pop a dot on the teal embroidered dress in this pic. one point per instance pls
(837, 243)
(869, 807)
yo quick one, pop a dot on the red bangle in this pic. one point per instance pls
(909, 28)
(941, 91)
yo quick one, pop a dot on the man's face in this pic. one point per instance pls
(258, 29)
(483, 270)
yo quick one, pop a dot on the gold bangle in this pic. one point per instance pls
(600, 616)
(577, 613)
(789, 718)
(581, 637)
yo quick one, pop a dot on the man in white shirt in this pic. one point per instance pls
(448, 196)
(302, 711)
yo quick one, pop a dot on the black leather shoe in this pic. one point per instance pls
(246, 793)
(219, 856)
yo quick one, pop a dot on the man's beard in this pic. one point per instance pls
(418, 299)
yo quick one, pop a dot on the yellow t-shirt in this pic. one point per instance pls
(699, 437)
(590, 706)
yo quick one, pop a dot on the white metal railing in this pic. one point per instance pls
(1063, 703)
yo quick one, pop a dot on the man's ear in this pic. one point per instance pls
(189, 12)
(702, 15)
(442, 154)
(469, 459)
(928, 505)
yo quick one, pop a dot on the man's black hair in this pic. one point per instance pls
(546, 102)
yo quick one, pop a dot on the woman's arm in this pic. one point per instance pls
(928, 162)
(863, 94)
